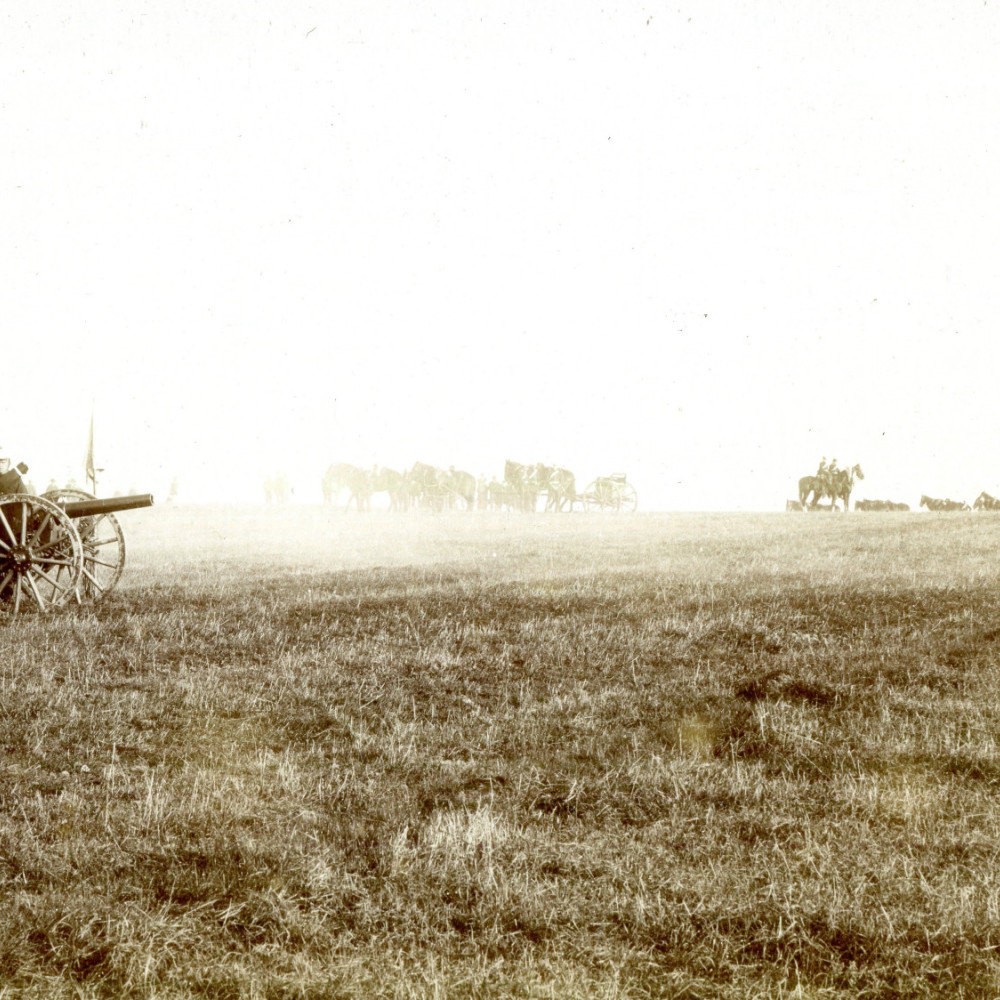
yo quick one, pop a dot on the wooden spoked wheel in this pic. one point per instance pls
(41, 555)
(628, 499)
(593, 497)
(610, 494)
(103, 548)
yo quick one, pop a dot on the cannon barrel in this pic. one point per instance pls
(112, 505)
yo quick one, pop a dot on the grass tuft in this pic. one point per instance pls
(302, 755)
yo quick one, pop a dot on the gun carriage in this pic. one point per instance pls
(610, 493)
(60, 547)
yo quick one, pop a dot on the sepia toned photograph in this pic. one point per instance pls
(500, 500)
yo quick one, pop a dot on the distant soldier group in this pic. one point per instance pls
(276, 488)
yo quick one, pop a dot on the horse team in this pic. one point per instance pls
(431, 488)
(428, 487)
(837, 489)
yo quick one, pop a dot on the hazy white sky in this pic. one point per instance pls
(701, 243)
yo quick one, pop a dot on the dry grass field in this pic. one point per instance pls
(302, 754)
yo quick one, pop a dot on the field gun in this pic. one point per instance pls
(113, 505)
(62, 546)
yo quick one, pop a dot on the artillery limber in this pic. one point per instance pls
(60, 547)
(610, 493)
(523, 484)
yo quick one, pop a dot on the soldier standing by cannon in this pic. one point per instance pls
(10, 476)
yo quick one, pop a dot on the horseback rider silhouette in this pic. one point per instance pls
(821, 474)
(832, 474)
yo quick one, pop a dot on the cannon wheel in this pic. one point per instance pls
(41, 555)
(595, 497)
(591, 498)
(103, 548)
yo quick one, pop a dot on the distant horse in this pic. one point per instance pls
(357, 482)
(985, 502)
(933, 504)
(880, 505)
(559, 486)
(837, 487)
(428, 485)
(461, 486)
(522, 483)
(394, 483)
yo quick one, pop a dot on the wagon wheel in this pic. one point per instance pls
(628, 500)
(41, 555)
(103, 547)
(595, 497)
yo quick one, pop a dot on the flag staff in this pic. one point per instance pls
(90, 466)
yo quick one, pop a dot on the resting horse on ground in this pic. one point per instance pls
(837, 487)
(985, 502)
(947, 504)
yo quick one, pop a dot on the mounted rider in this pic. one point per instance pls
(830, 481)
(832, 475)
(821, 475)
